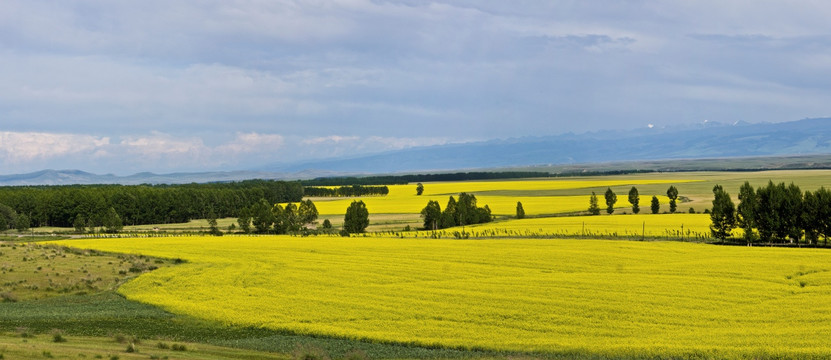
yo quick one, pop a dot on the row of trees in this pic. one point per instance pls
(66, 206)
(634, 201)
(345, 191)
(456, 213)
(777, 213)
(264, 218)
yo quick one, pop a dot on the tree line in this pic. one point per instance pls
(456, 213)
(634, 201)
(345, 191)
(93, 205)
(778, 213)
(405, 179)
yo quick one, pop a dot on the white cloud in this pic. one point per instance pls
(246, 143)
(17, 147)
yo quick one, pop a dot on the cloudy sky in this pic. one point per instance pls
(129, 86)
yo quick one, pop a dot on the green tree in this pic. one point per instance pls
(213, 227)
(327, 225)
(520, 212)
(261, 216)
(357, 218)
(611, 199)
(793, 212)
(723, 214)
(656, 205)
(634, 199)
(244, 220)
(22, 223)
(594, 209)
(746, 210)
(811, 223)
(79, 224)
(112, 221)
(307, 211)
(431, 214)
(448, 216)
(3, 224)
(672, 194)
(419, 189)
(823, 196)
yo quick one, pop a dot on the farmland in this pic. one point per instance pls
(557, 284)
(552, 296)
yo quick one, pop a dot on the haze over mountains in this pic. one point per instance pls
(706, 140)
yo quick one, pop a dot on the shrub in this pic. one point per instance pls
(356, 354)
(309, 352)
(131, 348)
(8, 296)
(120, 338)
(57, 336)
(179, 347)
(163, 346)
(24, 332)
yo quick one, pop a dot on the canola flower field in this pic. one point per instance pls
(674, 226)
(554, 296)
(402, 199)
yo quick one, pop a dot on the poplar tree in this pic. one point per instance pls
(634, 199)
(611, 199)
(593, 208)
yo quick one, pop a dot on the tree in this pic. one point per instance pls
(419, 189)
(656, 205)
(79, 224)
(448, 216)
(793, 208)
(431, 215)
(810, 217)
(357, 218)
(823, 196)
(112, 221)
(746, 210)
(22, 223)
(213, 228)
(3, 224)
(672, 194)
(611, 199)
(307, 211)
(593, 208)
(244, 220)
(520, 212)
(634, 199)
(261, 216)
(327, 225)
(723, 214)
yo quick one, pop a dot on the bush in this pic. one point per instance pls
(131, 348)
(8, 296)
(308, 352)
(179, 347)
(57, 336)
(163, 346)
(356, 354)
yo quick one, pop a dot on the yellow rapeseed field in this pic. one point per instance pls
(403, 200)
(557, 296)
(676, 226)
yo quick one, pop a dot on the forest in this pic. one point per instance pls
(65, 206)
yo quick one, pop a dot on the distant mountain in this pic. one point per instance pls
(706, 140)
(748, 146)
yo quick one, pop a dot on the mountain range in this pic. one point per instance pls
(709, 140)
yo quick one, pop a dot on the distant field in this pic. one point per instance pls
(615, 298)
(403, 200)
(674, 226)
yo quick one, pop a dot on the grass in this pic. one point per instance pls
(556, 297)
(33, 270)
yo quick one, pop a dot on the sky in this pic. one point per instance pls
(168, 86)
